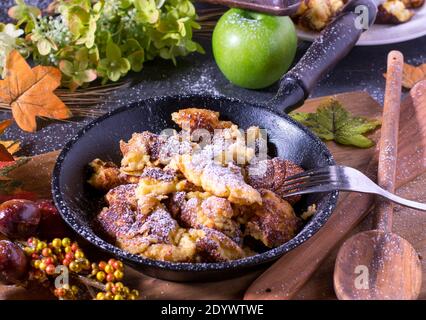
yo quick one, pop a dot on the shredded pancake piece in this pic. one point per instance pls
(106, 175)
(149, 149)
(141, 150)
(193, 118)
(211, 212)
(273, 223)
(214, 246)
(158, 237)
(271, 174)
(226, 182)
(156, 181)
(123, 194)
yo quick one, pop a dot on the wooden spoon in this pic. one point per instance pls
(378, 264)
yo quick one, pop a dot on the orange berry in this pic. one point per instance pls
(50, 269)
(118, 265)
(102, 265)
(60, 292)
(69, 256)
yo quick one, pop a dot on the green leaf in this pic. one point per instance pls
(124, 65)
(93, 55)
(88, 76)
(147, 11)
(332, 121)
(136, 60)
(23, 11)
(113, 51)
(66, 67)
(82, 58)
(80, 14)
(131, 46)
(114, 75)
(44, 47)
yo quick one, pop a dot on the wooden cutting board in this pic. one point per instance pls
(408, 223)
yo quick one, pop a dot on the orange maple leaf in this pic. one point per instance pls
(5, 153)
(5, 124)
(412, 75)
(29, 92)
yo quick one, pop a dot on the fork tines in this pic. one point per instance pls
(310, 178)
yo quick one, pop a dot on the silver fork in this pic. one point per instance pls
(340, 178)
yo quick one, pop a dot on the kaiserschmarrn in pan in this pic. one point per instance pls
(203, 194)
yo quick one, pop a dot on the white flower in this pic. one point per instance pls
(8, 37)
(11, 31)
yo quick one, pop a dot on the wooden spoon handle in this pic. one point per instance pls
(388, 145)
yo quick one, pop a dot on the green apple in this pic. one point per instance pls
(253, 50)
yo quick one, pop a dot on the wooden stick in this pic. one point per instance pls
(389, 139)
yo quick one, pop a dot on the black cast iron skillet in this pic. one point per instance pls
(287, 139)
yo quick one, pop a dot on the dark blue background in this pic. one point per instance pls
(362, 69)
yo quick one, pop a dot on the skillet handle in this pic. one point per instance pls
(334, 43)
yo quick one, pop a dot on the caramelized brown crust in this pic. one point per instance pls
(106, 175)
(156, 236)
(158, 227)
(413, 3)
(157, 182)
(271, 174)
(123, 194)
(141, 150)
(175, 203)
(146, 142)
(317, 14)
(393, 12)
(193, 118)
(273, 223)
(214, 246)
(213, 213)
(116, 219)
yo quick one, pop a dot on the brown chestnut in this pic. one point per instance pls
(13, 263)
(19, 219)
